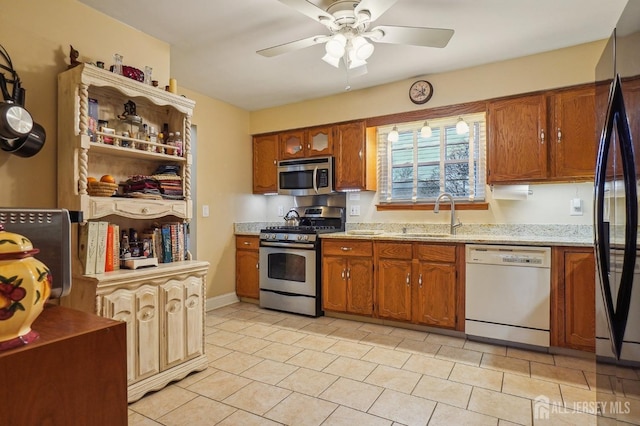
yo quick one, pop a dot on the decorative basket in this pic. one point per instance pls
(101, 189)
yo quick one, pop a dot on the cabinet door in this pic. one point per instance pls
(574, 142)
(434, 302)
(517, 145)
(265, 164)
(247, 273)
(320, 141)
(194, 316)
(173, 323)
(292, 145)
(121, 306)
(334, 283)
(360, 286)
(394, 289)
(147, 331)
(350, 156)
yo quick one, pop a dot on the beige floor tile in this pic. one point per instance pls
(320, 329)
(303, 410)
(628, 410)
(579, 363)
(386, 357)
(257, 398)
(258, 330)
(404, 409)
(464, 356)
(312, 359)
(502, 422)
(393, 378)
(235, 362)
(344, 416)
(440, 390)
(350, 349)
(441, 339)
(219, 385)
(625, 373)
(357, 395)
(540, 357)
(476, 376)
(266, 319)
(199, 411)
(211, 320)
(351, 368)
(221, 338)
(270, 372)
(409, 334)
(278, 352)
(349, 334)
(419, 347)
(156, 405)
(286, 337)
(242, 418)
(505, 364)
(560, 375)
(600, 382)
(546, 415)
(244, 314)
(527, 387)
(430, 366)
(501, 405)
(195, 377)
(248, 345)
(214, 352)
(232, 325)
(317, 343)
(308, 382)
(344, 323)
(376, 328)
(137, 419)
(225, 310)
(446, 415)
(488, 348)
(577, 399)
(631, 388)
(293, 322)
(385, 340)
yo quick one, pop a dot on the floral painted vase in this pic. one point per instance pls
(25, 285)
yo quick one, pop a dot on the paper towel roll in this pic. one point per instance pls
(510, 192)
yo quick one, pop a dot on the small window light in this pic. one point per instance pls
(461, 126)
(393, 135)
(426, 132)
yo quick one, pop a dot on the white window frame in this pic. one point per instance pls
(477, 182)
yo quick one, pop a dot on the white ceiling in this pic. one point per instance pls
(214, 42)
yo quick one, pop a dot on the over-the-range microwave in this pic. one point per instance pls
(306, 176)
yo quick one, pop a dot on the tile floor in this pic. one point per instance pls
(270, 368)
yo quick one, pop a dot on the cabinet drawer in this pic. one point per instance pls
(394, 250)
(135, 209)
(247, 242)
(347, 248)
(435, 253)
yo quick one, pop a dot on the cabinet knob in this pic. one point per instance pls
(342, 274)
(420, 280)
(258, 265)
(541, 136)
(346, 248)
(559, 135)
(349, 273)
(408, 280)
(247, 243)
(275, 162)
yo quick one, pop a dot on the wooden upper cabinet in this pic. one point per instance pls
(292, 144)
(517, 143)
(355, 157)
(265, 164)
(320, 141)
(574, 140)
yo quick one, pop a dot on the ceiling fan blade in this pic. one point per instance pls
(291, 46)
(416, 36)
(375, 7)
(309, 9)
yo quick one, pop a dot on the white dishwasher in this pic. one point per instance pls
(507, 293)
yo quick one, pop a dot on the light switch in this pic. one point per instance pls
(354, 211)
(205, 211)
(575, 207)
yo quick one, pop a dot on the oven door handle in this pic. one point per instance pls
(315, 177)
(289, 245)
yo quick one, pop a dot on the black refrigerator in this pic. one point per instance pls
(616, 223)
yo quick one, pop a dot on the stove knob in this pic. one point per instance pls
(299, 237)
(273, 236)
(306, 238)
(286, 236)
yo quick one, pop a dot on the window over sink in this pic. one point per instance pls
(419, 166)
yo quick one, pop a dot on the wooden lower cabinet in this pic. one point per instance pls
(163, 308)
(419, 282)
(347, 276)
(248, 266)
(573, 323)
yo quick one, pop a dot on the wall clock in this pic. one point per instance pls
(420, 92)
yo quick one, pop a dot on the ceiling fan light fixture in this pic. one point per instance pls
(393, 135)
(361, 48)
(332, 60)
(336, 45)
(426, 131)
(461, 126)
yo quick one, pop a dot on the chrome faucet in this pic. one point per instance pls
(436, 209)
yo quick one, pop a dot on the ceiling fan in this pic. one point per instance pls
(348, 22)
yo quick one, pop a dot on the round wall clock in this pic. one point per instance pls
(420, 92)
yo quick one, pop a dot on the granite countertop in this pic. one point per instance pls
(520, 234)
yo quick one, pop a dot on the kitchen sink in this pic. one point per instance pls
(423, 234)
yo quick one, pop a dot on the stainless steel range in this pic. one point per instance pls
(290, 278)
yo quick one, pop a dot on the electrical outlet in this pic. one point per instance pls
(280, 210)
(205, 211)
(575, 207)
(354, 211)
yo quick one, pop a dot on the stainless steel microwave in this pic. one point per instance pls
(306, 176)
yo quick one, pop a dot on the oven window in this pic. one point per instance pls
(287, 266)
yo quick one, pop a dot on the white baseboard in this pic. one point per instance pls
(220, 301)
